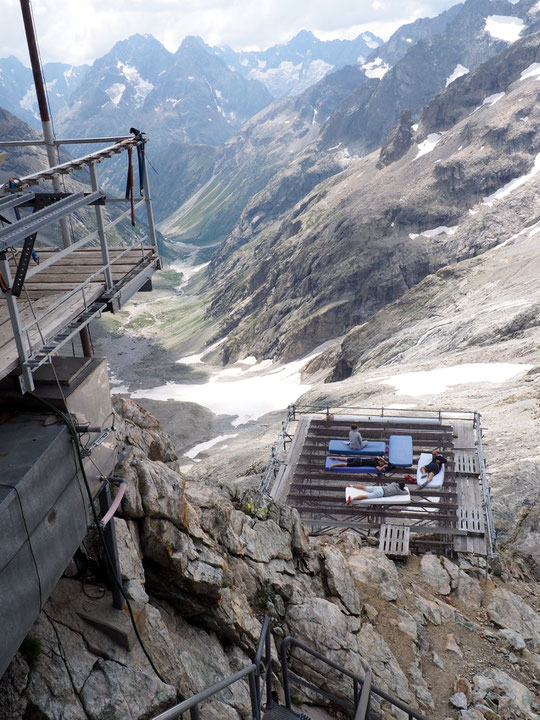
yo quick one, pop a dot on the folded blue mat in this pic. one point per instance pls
(374, 447)
(400, 450)
(352, 470)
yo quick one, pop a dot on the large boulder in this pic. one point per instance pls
(371, 567)
(505, 691)
(434, 574)
(508, 610)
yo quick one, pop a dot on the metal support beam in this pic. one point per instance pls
(101, 229)
(149, 210)
(109, 533)
(46, 123)
(18, 231)
(26, 380)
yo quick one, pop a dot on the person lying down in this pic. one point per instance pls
(371, 492)
(379, 463)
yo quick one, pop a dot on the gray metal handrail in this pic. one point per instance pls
(486, 495)
(383, 413)
(264, 644)
(192, 703)
(362, 700)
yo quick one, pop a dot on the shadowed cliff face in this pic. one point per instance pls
(360, 239)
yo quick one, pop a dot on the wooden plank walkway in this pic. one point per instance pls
(47, 287)
(445, 519)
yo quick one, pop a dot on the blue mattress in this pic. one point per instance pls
(351, 470)
(400, 450)
(373, 447)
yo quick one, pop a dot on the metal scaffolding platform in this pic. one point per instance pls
(45, 304)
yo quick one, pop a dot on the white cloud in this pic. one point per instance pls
(77, 32)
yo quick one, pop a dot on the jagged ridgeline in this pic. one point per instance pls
(348, 188)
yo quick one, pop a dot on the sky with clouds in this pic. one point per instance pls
(79, 31)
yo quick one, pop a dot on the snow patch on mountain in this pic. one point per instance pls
(115, 92)
(459, 70)
(370, 42)
(532, 71)
(428, 144)
(513, 184)
(141, 86)
(28, 101)
(376, 68)
(504, 27)
(436, 382)
(441, 230)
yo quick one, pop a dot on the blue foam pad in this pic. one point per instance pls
(352, 470)
(400, 450)
(373, 447)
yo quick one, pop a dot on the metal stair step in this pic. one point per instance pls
(278, 712)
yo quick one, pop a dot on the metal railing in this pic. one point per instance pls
(363, 688)
(258, 681)
(259, 677)
(278, 448)
(28, 348)
(486, 494)
(381, 412)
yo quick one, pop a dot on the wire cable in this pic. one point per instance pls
(76, 447)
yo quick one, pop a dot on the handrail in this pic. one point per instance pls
(78, 288)
(365, 682)
(486, 497)
(383, 413)
(193, 703)
(264, 644)
(80, 243)
(363, 703)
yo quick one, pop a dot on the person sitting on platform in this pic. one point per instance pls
(433, 468)
(371, 492)
(355, 439)
(379, 463)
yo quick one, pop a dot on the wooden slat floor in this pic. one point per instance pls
(45, 288)
(436, 514)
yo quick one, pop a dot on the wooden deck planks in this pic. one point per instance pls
(316, 493)
(45, 288)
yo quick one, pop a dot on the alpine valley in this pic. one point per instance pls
(349, 224)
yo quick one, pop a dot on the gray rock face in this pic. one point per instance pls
(510, 694)
(509, 611)
(397, 142)
(273, 289)
(458, 700)
(370, 566)
(434, 574)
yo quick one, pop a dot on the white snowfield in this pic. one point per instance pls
(376, 68)
(441, 230)
(504, 27)
(532, 71)
(247, 397)
(513, 184)
(436, 382)
(428, 144)
(201, 447)
(459, 70)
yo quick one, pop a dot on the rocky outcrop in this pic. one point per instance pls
(203, 566)
(397, 142)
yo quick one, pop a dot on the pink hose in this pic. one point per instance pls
(116, 502)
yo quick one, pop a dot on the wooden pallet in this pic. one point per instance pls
(471, 519)
(466, 463)
(394, 540)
